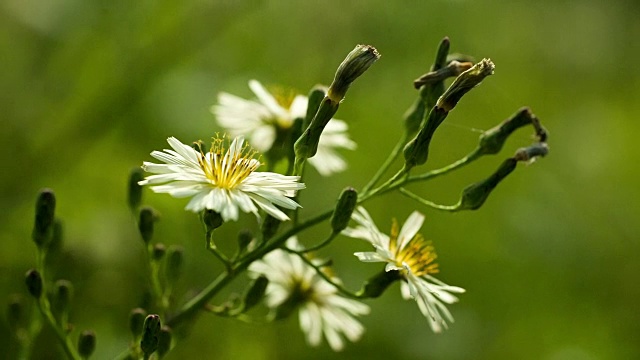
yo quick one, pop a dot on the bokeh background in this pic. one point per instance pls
(550, 263)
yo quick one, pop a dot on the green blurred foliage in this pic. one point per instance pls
(89, 88)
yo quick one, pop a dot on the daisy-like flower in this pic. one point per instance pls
(261, 121)
(223, 180)
(321, 310)
(409, 253)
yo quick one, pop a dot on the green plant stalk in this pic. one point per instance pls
(387, 163)
(45, 309)
(431, 204)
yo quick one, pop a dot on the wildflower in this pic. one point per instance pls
(263, 120)
(321, 309)
(222, 180)
(409, 253)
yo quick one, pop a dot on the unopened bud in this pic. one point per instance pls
(316, 95)
(342, 213)
(158, 251)
(211, 219)
(150, 331)
(63, 293)
(475, 195)
(375, 286)
(454, 68)
(55, 245)
(416, 152)
(45, 212)
(148, 217)
(164, 341)
(255, 292)
(354, 65)
(33, 279)
(492, 140)
(464, 83)
(135, 190)
(530, 152)
(245, 237)
(173, 267)
(86, 343)
(269, 227)
(136, 321)
(16, 313)
(307, 145)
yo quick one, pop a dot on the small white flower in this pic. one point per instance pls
(222, 179)
(409, 253)
(261, 121)
(321, 309)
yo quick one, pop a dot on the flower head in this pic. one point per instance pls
(321, 310)
(274, 113)
(409, 253)
(221, 179)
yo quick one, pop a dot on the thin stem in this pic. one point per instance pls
(387, 163)
(321, 273)
(472, 156)
(431, 204)
(320, 245)
(211, 246)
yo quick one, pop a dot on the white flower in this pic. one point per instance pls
(222, 179)
(409, 253)
(321, 309)
(261, 121)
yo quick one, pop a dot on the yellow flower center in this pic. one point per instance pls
(227, 168)
(284, 97)
(419, 254)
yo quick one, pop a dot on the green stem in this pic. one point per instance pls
(451, 208)
(211, 246)
(471, 157)
(387, 163)
(320, 245)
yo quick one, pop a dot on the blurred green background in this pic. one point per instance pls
(550, 263)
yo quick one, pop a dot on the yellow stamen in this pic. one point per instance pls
(224, 169)
(419, 254)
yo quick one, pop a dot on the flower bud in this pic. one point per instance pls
(416, 152)
(86, 343)
(316, 95)
(211, 219)
(150, 332)
(33, 279)
(475, 195)
(255, 292)
(63, 293)
(55, 245)
(16, 313)
(464, 83)
(375, 286)
(531, 152)
(343, 210)
(45, 212)
(269, 227)
(148, 216)
(245, 237)
(307, 145)
(136, 321)
(135, 190)
(164, 341)
(158, 251)
(492, 140)
(173, 267)
(354, 65)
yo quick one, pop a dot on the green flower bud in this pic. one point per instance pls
(269, 227)
(375, 286)
(86, 343)
(135, 190)
(492, 140)
(307, 145)
(354, 65)
(136, 321)
(530, 152)
(63, 293)
(164, 341)
(158, 251)
(148, 216)
(55, 245)
(45, 212)
(343, 210)
(34, 282)
(464, 83)
(211, 219)
(416, 152)
(173, 267)
(316, 95)
(475, 195)
(245, 237)
(255, 292)
(150, 332)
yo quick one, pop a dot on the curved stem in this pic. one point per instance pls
(320, 245)
(451, 208)
(387, 163)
